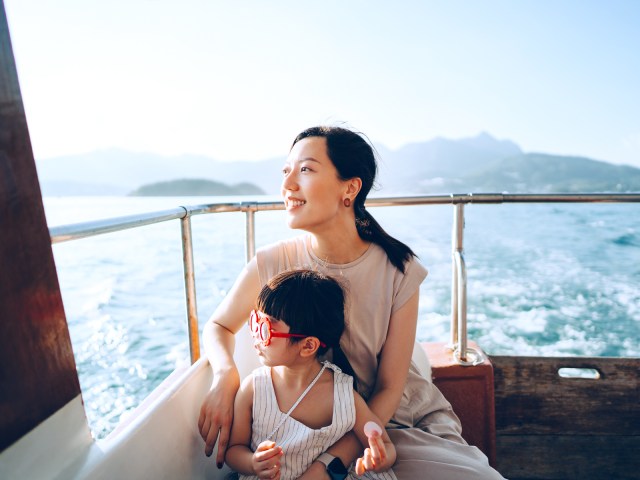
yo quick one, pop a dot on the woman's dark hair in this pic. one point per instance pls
(354, 157)
(310, 303)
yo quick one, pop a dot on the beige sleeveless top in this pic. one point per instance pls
(374, 289)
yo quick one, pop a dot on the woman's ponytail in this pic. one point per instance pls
(370, 230)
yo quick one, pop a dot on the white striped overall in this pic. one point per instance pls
(301, 444)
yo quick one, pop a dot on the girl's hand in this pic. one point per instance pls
(266, 460)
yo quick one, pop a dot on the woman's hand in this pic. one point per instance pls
(266, 460)
(216, 414)
(375, 458)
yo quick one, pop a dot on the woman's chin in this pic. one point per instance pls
(295, 224)
(291, 222)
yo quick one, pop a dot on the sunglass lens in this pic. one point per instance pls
(265, 332)
(253, 322)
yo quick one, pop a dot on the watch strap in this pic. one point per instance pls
(325, 459)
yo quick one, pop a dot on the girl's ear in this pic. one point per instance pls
(309, 346)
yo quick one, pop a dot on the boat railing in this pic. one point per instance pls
(462, 352)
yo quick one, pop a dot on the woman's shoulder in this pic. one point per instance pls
(284, 255)
(377, 257)
(415, 267)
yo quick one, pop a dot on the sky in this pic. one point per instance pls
(237, 80)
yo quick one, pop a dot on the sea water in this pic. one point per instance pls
(543, 279)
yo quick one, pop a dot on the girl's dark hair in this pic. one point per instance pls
(310, 303)
(354, 157)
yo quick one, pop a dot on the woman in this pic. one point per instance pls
(327, 176)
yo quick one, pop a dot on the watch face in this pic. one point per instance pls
(337, 470)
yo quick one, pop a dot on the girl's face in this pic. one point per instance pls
(279, 351)
(312, 190)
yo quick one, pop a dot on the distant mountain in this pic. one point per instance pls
(535, 173)
(480, 163)
(538, 172)
(418, 166)
(193, 187)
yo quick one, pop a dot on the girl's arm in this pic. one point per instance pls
(385, 398)
(265, 462)
(216, 413)
(238, 455)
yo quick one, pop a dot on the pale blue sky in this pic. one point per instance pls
(238, 79)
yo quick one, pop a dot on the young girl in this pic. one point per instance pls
(299, 316)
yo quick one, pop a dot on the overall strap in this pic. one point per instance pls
(302, 395)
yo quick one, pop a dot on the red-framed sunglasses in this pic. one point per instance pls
(260, 328)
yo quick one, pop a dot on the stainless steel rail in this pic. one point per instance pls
(190, 288)
(463, 353)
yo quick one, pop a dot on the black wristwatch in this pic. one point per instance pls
(335, 467)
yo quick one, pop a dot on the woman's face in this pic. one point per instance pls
(312, 191)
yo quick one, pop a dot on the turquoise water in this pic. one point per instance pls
(542, 280)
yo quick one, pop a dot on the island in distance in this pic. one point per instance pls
(193, 187)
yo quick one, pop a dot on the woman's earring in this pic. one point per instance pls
(347, 202)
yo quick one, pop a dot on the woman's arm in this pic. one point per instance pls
(216, 413)
(394, 358)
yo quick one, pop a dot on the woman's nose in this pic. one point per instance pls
(289, 182)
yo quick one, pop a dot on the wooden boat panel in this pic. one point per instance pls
(550, 427)
(37, 369)
(579, 457)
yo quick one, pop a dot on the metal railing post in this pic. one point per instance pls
(190, 288)
(457, 237)
(250, 233)
(462, 353)
(461, 270)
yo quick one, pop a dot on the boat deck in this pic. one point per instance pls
(553, 427)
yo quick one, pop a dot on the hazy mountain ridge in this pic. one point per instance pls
(420, 166)
(548, 173)
(480, 163)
